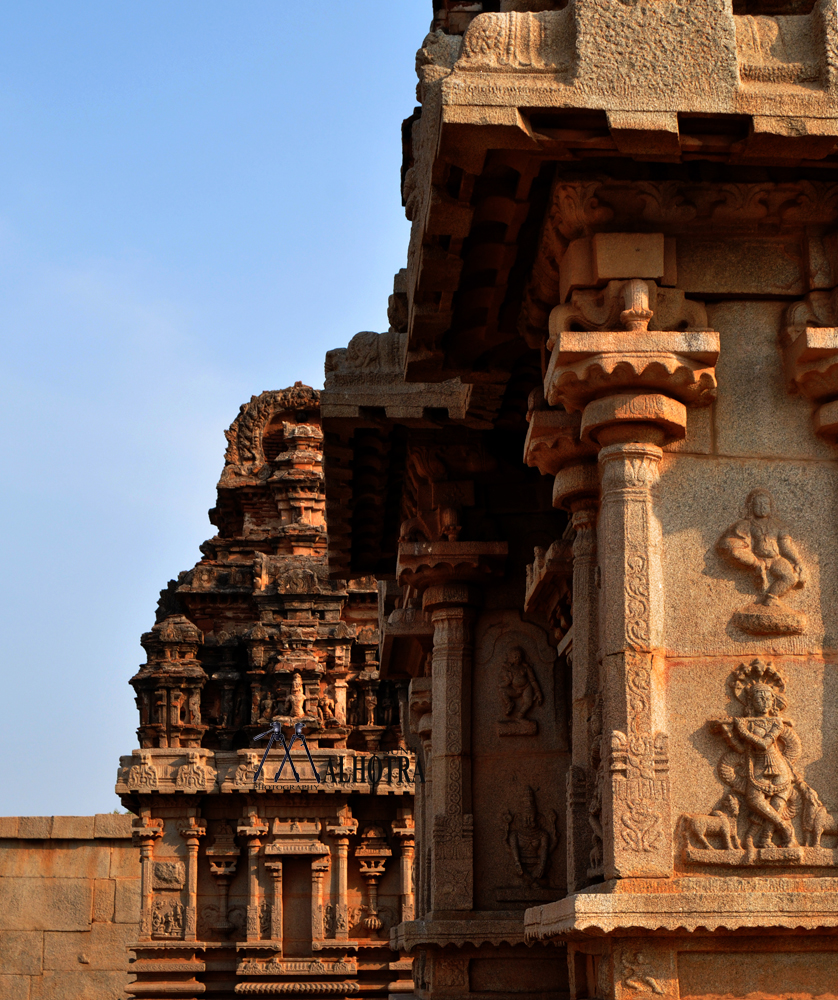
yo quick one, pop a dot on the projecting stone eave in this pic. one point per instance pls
(527, 97)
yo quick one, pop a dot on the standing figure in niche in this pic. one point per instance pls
(519, 690)
(295, 703)
(266, 708)
(325, 707)
(530, 838)
(763, 545)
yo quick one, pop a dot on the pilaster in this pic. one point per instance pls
(453, 609)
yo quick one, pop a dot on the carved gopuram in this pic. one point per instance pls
(592, 465)
(286, 887)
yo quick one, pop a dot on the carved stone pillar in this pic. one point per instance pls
(632, 384)
(319, 868)
(585, 690)
(223, 872)
(635, 789)
(421, 726)
(252, 835)
(452, 608)
(405, 830)
(192, 833)
(341, 832)
(275, 868)
(144, 837)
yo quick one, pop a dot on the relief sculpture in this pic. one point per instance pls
(768, 811)
(531, 837)
(763, 545)
(519, 690)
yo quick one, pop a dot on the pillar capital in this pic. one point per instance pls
(451, 595)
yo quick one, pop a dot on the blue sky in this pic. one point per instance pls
(197, 200)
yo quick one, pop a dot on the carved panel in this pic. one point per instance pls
(762, 545)
(767, 814)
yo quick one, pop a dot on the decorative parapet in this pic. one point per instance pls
(165, 772)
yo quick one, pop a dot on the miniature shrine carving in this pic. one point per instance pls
(762, 544)
(519, 690)
(769, 813)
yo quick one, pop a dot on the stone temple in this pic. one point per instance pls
(548, 571)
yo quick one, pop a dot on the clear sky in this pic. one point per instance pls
(197, 200)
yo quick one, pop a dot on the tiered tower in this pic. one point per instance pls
(269, 888)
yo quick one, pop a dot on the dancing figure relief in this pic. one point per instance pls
(519, 690)
(764, 546)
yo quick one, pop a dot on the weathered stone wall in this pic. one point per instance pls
(69, 906)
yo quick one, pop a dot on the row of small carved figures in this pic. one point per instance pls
(370, 705)
(167, 918)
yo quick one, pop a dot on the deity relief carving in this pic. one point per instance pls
(295, 703)
(167, 918)
(754, 822)
(531, 837)
(519, 690)
(763, 545)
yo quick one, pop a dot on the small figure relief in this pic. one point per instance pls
(531, 837)
(195, 707)
(637, 974)
(266, 709)
(763, 545)
(765, 793)
(353, 714)
(142, 777)
(295, 703)
(719, 823)
(817, 819)
(167, 919)
(519, 690)
(326, 708)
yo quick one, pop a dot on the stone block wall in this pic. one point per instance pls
(69, 906)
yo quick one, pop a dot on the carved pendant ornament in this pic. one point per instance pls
(768, 813)
(763, 546)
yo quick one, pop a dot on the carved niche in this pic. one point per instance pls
(517, 664)
(763, 546)
(768, 813)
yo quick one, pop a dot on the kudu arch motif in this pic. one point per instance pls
(769, 813)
